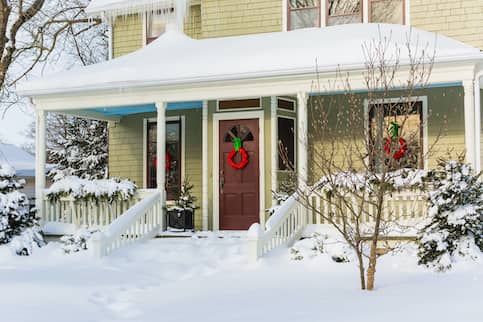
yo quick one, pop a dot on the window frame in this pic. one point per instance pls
(424, 120)
(369, 15)
(361, 13)
(294, 119)
(218, 109)
(290, 9)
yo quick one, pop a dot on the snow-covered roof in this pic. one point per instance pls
(21, 161)
(174, 58)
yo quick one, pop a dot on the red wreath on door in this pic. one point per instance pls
(167, 165)
(237, 147)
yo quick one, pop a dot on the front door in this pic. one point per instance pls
(239, 188)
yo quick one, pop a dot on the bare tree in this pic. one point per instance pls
(367, 145)
(32, 32)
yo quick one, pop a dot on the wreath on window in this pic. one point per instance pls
(237, 148)
(403, 147)
(167, 164)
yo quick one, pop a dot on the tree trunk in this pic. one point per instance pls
(371, 269)
(361, 270)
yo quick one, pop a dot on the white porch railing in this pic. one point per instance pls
(284, 227)
(140, 222)
(288, 222)
(88, 213)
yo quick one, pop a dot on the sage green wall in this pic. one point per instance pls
(126, 150)
(446, 127)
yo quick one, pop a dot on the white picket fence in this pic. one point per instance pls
(140, 222)
(288, 222)
(68, 210)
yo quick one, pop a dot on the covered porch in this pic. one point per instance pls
(230, 84)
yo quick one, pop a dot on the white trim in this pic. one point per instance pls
(284, 15)
(469, 115)
(365, 11)
(323, 13)
(241, 108)
(478, 84)
(274, 142)
(204, 166)
(110, 28)
(424, 100)
(40, 160)
(144, 20)
(182, 119)
(216, 166)
(407, 12)
(302, 139)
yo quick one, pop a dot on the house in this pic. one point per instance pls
(188, 77)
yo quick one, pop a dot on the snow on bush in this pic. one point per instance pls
(18, 223)
(352, 181)
(455, 231)
(77, 241)
(307, 248)
(84, 189)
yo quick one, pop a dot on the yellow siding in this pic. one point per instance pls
(458, 19)
(192, 25)
(127, 35)
(238, 17)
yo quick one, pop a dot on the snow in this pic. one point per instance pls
(81, 188)
(174, 58)
(210, 279)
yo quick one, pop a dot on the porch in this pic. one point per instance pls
(249, 92)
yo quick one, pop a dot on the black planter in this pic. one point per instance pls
(180, 218)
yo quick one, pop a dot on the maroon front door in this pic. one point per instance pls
(239, 188)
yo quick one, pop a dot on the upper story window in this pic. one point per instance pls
(303, 14)
(156, 23)
(343, 12)
(387, 11)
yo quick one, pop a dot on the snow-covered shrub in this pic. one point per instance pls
(77, 241)
(93, 190)
(456, 211)
(30, 239)
(339, 251)
(16, 217)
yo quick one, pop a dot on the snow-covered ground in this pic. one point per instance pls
(210, 279)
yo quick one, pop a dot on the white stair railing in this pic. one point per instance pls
(140, 222)
(284, 227)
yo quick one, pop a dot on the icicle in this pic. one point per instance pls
(127, 8)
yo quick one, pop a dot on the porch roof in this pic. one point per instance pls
(176, 59)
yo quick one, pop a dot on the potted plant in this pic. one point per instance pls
(181, 215)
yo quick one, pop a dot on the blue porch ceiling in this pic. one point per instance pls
(146, 108)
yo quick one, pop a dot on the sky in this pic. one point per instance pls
(14, 124)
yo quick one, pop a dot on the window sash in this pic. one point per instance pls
(402, 6)
(343, 18)
(291, 17)
(286, 140)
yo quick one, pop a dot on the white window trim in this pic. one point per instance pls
(424, 100)
(217, 117)
(287, 99)
(181, 118)
(238, 109)
(145, 27)
(294, 140)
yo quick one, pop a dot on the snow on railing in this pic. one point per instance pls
(69, 210)
(284, 227)
(398, 206)
(140, 222)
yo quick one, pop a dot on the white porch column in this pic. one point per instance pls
(274, 143)
(469, 110)
(161, 154)
(365, 11)
(478, 121)
(40, 156)
(204, 176)
(302, 139)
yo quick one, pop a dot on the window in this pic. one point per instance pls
(173, 158)
(286, 143)
(286, 104)
(156, 23)
(343, 12)
(303, 14)
(381, 128)
(239, 104)
(387, 11)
